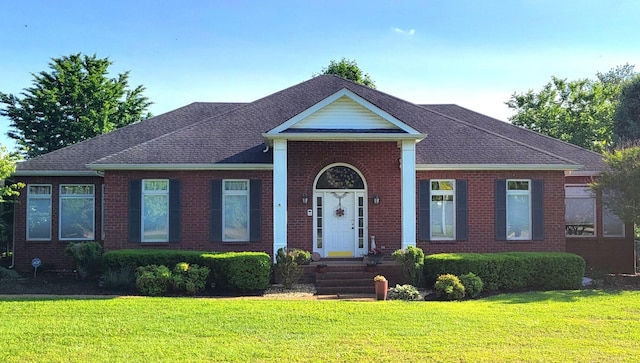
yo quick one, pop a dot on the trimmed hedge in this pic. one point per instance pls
(511, 270)
(232, 271)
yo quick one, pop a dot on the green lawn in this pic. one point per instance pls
(571, 326)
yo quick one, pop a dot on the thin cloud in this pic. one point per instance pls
(405, 32)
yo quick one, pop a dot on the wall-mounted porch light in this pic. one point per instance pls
(376, 199)
(305, 199)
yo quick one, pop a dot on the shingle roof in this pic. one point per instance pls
(208, 133)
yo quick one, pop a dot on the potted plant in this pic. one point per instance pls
(381, 287)
(375, 255)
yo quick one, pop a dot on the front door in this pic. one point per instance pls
(340, 223)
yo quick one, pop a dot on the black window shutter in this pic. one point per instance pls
(501, 210)
(424, 215)
(215, 218)
(462, 214)
(174, 210)
(537, 210)
(255, 209)
(135, 210)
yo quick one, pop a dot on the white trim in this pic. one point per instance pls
(279, 195)
(180, 167)
(343, 136)
(343, 92)
(55, 173)
(435, 167)
(408, 203)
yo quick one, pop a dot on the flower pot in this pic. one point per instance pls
(381, 289)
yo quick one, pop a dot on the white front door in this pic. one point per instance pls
(340, 223)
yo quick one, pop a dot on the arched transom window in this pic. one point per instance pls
(340, 177)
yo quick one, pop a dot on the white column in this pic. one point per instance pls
(279, 195)
(408, 178)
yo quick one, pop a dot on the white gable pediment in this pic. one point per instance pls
(344, 110)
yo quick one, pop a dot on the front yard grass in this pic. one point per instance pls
(585, 326)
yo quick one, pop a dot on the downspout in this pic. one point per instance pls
(13, 237)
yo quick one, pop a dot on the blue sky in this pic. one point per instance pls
(472, 53)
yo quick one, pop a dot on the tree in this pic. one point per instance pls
(579, 112)
(626, 119)
(72, 102)
(7, 167)
(619, 185)
(348, 69)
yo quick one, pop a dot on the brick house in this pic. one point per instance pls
(326, 165)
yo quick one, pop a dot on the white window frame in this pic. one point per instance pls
(518, 192)
(226, 193)
(62, 197)
(32, 196)
(144, 193)
(442, 193)
(595, 207)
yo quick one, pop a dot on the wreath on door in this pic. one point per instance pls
(340, 210)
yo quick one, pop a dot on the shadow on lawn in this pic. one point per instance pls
(557, 296)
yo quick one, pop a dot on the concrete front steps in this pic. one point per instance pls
(350, 276)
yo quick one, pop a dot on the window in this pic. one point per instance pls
(235, 219)
(442, 210)
(39, 212)
(612, 225)
(77, 212)
(518, 209)
(155, 210)
(580, 211)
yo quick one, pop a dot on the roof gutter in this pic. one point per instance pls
(56, 173)
(434, 167)
(237, 166)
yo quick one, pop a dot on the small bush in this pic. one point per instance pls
(87, 256)
(153, 280)
(288, 263)
(411, 262)
(404, 292)
(189, 279)
(449, 287)
(472, 284)
(6, 273)
(121, 278)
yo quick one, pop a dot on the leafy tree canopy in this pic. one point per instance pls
(72, 102)
(7, 167)
(626, 120)
(619, 185)
(579, 112)
(349, 69)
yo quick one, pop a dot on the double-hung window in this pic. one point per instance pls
(77, 212)
(155, 210)
(518, 209)
(443, 220)
(235, 219)
(580, 211)
(39, 212)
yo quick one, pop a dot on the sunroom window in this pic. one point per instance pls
(580, 211)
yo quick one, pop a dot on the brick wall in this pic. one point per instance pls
(52, 253)
(195, 200)
(481, 186)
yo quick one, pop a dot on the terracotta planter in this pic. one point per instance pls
(381, 289)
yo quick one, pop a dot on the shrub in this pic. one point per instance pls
(6, 273)
(404, 292)
(121, 278)
(511, 270)
(411, 262)
(287, 262)
(189, 279)
(472, 284)
(448, 287)
(153, 280)
(87, 256)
